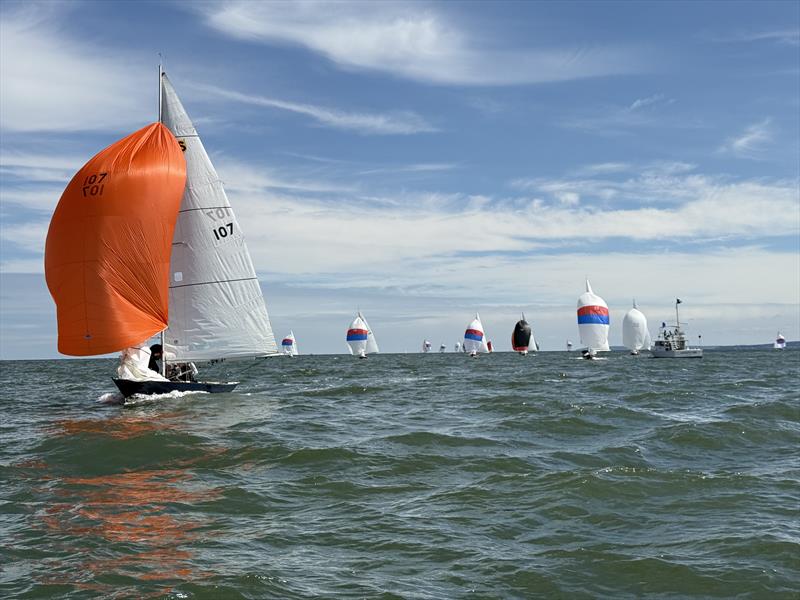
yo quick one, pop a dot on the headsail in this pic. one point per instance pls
(593, 320)
(216, 305)
(635, 335)
(108, 247)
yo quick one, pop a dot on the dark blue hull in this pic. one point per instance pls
(129, 387)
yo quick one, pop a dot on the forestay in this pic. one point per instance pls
(216, 308)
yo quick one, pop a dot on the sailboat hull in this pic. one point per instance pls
(129, 387)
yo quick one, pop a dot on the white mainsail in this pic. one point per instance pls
(216, 308)
(372, 345)
(635, 335)
(426, 346)
(593, 320)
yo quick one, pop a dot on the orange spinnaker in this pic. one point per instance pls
(107, 255)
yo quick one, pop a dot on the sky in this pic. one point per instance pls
(424, 161)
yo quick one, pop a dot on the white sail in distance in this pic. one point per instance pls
(593, 320)
(474, 337)
(372, 344)
(289, 345)
(635, 335)
(216, 308)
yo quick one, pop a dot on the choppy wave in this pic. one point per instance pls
(410, 476)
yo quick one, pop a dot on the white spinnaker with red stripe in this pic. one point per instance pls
(289, 344)
(635, 335)
(593, 320)
(475, 337)
(358, 337)
(216, 308)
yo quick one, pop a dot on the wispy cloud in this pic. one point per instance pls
(413, 168)
(409, 40)
(49, 78)
(616, 120)
(752, 142)
(788, 36)
(400, 122)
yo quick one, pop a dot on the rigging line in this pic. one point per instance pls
(185, 210)
(172, 287)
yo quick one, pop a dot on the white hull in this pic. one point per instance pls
(685, 353)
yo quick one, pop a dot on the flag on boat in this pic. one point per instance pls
(593, 320)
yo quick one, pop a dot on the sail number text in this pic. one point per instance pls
(220, 213)
(224, 231)
(93, 185)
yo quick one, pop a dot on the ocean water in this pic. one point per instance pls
(408, 476)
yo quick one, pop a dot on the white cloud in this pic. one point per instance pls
(401, 122)
(617, 120)
(641, 103)
(789, 37)
(52, 82)
(412, 168)
(752, 142)
(409, 40)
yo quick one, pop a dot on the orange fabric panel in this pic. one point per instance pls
(108, 248)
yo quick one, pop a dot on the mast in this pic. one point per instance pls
(677, 320)
(163, 356)
(159, 88)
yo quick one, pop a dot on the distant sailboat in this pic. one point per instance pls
(457, 347)
(426, 346)
(442, 348)
(780, 342)
(289, 345)
(635, 334)
(360, 338)
(522, 337)
(593, 322)
(569, 346)
(489, 346)
(474, 338)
